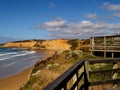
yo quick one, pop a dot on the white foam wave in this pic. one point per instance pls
(23, 54)
(17, 55)
(8, 53)
(4, 58)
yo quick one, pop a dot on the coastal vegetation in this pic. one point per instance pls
(52, 67)
(73, 43)
(49, 69)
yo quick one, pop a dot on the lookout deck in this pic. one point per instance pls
(105, 44)
(80, 74)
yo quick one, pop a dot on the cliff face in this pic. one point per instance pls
(59, 44)
(54, 44)
(44, 44)
(21, 44)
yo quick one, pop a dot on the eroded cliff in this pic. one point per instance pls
(58, 44)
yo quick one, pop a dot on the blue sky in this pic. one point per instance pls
(52, 19)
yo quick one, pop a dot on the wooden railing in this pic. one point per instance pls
(79, 74)
(62, 81)
(114, 79)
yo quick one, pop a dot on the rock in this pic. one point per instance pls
(36, 73)
(49, 65)
(56, 64)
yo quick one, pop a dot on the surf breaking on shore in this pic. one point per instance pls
(13, 61)
(21, 78)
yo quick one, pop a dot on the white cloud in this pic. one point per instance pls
(83, 29)
(55, 23)
(92, 16)
(112, 7)
(117, 14)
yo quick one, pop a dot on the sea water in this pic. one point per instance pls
(13, 61)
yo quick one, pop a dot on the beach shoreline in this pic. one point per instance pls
(14, 82)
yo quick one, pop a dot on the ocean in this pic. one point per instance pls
(13, 61)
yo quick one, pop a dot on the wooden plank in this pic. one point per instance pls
(58, 83)
(87, 69)
(108, 36)
(92, 43)
(75, 78)
(75, 84)
(105, 70)
(86, 84)
(104, 47)
(82, 87)
(111, 81)
(112, 55)
(104, 61)
(111, 46)
(98, 50)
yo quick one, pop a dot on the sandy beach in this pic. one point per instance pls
(14, 82)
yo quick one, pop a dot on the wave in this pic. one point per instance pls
(4, 58)
(29, 59)
(12, 53)
(23, 54)
(16, 55)
(8, 53)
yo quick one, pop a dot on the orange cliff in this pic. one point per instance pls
(58, 44)
(20, 44)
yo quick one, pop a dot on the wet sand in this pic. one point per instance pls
(14, 82)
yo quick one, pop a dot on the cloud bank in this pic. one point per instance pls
(59, 28)
(114, 8)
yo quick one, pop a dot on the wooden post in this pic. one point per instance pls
(112, 55)
(75, 78)
(92, 44)
(87, 69)
(86, 84)
(104, 47)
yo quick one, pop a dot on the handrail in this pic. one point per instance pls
(110, 81)
(113, 70)
(115, 60)
(61, 82)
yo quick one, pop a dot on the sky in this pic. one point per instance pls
(54, 19)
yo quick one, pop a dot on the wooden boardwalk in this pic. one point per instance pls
(105, 44)
(80, 75)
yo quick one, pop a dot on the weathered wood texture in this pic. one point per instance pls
(105, 44)
(113, 71)
(111, 81)
(61, 82)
